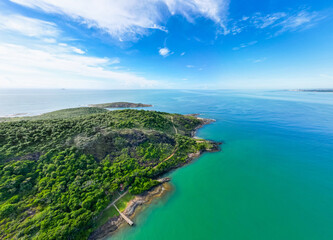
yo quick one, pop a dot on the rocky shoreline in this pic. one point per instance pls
(113, 224)
(205, 121)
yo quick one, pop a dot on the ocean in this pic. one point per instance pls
(272, 179)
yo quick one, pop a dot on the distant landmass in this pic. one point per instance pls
(313, 90)
(120, 105)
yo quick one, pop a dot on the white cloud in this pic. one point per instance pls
(236, 29)
(52, 66)
(30, 27)
(182, 54)
(244, 45)
(39, 61)
(195, 67)
(164, 52)
(244, 18)
(259, 60)
(78, 50)
(114, 61)
(299, 21)
(267, 20)
(278, 22)
(49, 40)
(126, 20)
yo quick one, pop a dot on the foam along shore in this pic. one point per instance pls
(133, 206)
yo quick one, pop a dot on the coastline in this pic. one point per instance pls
(132, 209)
(135, 205)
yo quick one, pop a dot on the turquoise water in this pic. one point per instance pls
(273, 178)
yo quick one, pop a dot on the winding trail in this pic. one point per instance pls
(173, 153)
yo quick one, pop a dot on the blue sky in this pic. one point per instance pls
(179, 44)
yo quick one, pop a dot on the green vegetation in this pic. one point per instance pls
(120, 105)
(57, 175)
(121, 203)
(64, 113)
(106, 215)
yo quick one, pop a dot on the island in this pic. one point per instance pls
(78, 173)
(120, 105)
(314, 90)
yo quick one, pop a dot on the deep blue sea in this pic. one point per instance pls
(273, 179)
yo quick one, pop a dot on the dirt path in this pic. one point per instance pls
(173, 153)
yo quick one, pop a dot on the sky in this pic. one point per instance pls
(166, 44)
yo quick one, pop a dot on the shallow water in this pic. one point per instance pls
(273, 178)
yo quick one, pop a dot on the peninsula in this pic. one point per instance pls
(66, 174)
(120, 105)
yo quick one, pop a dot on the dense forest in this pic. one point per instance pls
(58, 173)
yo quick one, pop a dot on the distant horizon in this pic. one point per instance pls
(144, 89)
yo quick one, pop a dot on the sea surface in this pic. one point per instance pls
(272, 180)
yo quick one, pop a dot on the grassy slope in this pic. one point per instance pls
(63, 113)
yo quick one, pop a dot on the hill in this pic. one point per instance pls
(59, 173)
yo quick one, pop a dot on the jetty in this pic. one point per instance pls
(113, 204)
(129, 221)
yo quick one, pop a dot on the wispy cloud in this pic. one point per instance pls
(299, 21)
(30, 27)
(260, 21)
(199, 68)
(127, 20)
(244, 45)
(277, 22)
(259, 60)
